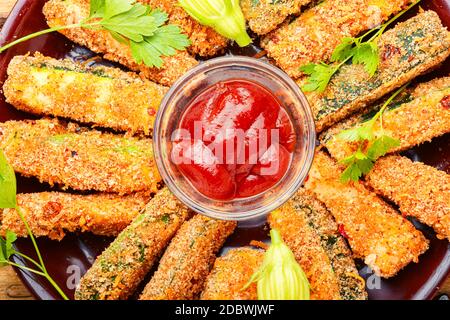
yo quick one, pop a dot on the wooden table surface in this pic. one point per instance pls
(10, 285)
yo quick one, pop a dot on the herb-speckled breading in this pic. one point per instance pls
(53, 214)
(419, 190)
(76, 158)
(113, 99)
(231, 274)
(406, 51)
(309, 230)
(376, 232)
(264, 16)
(313, 36)
(188, 259)
(118, 271)
(65, 12)
(420, 115)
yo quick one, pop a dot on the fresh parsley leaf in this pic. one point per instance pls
(350, 134)
(368, 55)
(7, 184)
(320, 76)
(97, 8)
(357, 165)
(358, 133)
(160, 17)
(165, 41)
(351, 173)
(359, 50)
(115, 7)
(6, 247)
(133, 24)
(140, 27)
(169, 37)
(381, 146)
(308, 68)
(360, 163)
(365, 165)
(343, 50)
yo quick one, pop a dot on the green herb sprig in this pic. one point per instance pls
(362, 50)
(361, 162)
(131, 23)
(8, 200)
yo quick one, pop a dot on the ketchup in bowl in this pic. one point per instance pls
(234, 140)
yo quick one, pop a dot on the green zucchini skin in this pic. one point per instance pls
(112, 99)
(406, 51)
(117, 272)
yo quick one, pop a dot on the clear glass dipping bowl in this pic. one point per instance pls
(194, 82)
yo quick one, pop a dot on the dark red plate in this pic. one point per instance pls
(70, 258)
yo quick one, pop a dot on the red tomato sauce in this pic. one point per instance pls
(237, 141)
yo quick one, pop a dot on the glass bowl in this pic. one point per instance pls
(200, 78)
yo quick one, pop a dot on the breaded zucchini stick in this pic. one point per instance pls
(264, 16)
(112, 99)
(79, 159)
(406, 51)
(310, 231)
(65, 12)
(52, 214)
(204, 40)
(419, 116)
(117, 272)
(419, 190)
(313, 36)
(384, 239)
(231, 273)
(188, 259)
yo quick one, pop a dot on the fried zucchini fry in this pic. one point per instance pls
(406, 51)
(117, 272)
(313, 36)
(309, 230)
(52, 214)
(384, 239)
(419, 190)
(204, 40)
(188, 259)
(231, 273)
(77, 158)
(264, 16)
(113, 99)
(65, 12)
(417, 117)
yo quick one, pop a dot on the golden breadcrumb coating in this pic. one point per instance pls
(377, 233)
(419, 190)
(204, 40)
(77, 158)
(188, 259)
(117, 272)
(313, 36)
(308, 251)
(231, 274)
(418, 117)
(53, 214)
(65, 12)
(113, 99)
(406, 51)
(311, 233)
(264, 16)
